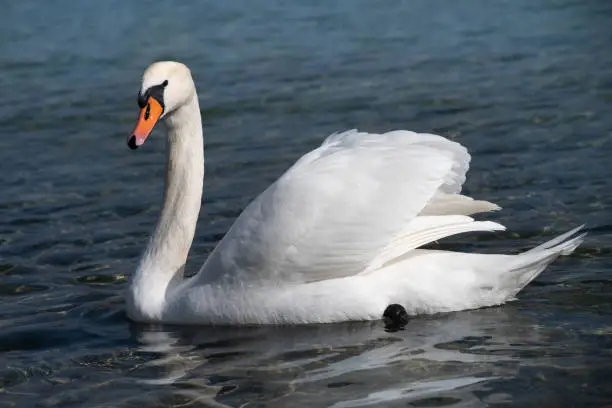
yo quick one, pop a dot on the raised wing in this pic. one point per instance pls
(337, 207)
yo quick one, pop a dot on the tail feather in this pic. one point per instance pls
(433, 280)
(559, 240)
(528, 265)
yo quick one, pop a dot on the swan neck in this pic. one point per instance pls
(163, 261)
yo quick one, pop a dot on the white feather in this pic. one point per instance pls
(456, 204)
(331, 213)
(425, 229)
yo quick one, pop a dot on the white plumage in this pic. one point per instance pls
(335, 238)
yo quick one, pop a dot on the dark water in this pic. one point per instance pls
(526, 85)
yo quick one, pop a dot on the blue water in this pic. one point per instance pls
(525, 85)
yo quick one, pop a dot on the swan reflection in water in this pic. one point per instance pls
(357, 364)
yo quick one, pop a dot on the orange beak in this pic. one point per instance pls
(148, 117)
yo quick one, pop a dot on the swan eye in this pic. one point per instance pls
(147, 112)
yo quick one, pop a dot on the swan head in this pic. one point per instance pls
(166, 86)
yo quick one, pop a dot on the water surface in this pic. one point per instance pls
(526, 85)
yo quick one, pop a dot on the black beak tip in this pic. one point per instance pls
(132, 143)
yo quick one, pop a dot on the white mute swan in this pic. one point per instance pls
(335, 238)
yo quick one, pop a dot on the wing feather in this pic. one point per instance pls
(337, 207)
(456, 204)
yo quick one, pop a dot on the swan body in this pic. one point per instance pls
(338, 237)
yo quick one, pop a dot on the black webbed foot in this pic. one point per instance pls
(395, 317)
